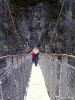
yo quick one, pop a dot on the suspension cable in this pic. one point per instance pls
(10, 15)
(15, 30)
(58, 19)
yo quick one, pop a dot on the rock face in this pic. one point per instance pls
(36, 25)
(3, 47)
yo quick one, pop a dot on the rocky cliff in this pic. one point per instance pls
(36, 25)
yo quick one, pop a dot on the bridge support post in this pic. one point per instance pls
(9, 77)
(63, 88)
(1, 94)
(15, 75)
(53, 77)
(20, 78)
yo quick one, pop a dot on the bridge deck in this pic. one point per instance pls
(36, 89)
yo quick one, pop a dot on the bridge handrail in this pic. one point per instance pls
(66, 55)
(7, 56)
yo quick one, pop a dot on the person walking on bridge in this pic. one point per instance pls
(36, 52)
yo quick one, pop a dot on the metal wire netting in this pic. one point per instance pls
(14, 78)
(59, 77)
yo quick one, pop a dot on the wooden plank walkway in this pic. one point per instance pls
(37, 89)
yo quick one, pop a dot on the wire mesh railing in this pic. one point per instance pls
(59, 76)
(14, 75)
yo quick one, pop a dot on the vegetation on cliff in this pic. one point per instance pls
(30, 3)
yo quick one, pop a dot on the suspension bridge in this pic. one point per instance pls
(51, 79)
